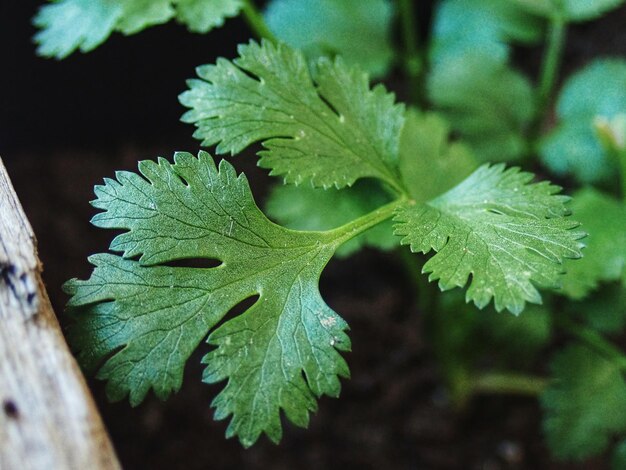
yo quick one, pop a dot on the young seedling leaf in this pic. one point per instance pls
(569, 10)
(429, 163)
(69, 25)
(488, 103)
(359, 31)
(505, 232)
(144, 317)
(304, 208)
(573, 147)
(329, 129)
(604, 219)
(585, 404)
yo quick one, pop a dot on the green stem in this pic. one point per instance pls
(255, 20)
(549, 69)
(621, 159)
(464, 386)
(412, 61)
(593, 340)
(508, 383)
(346, 232)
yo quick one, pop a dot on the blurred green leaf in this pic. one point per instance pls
(573, 147)
(429, 163)
(69, 25)
(463, 27)
(604, 311)
(585, 404)
(358, 30)
(604, 258)
(488, 103)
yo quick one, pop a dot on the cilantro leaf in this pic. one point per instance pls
(69, 25)
(75, 24)
(569, 10)
(330, 129)
(573, 146)
(201, 16)
(304, 208)
(604, 219)
(462, 27)
(488, 103)
(585, 404)
(359, 31)
(430, 164)
(140, 14)
(145, 317)
(500, 229)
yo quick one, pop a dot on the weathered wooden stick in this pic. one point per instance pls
(48, 419)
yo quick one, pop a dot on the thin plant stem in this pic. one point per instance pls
(621, 159)
(412, 62)
(549, 69)
(255, 20)
(346, 232)
(508, 383)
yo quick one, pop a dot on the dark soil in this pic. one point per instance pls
(65, 126)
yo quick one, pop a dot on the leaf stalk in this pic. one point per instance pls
(508, 383)
(549, 69)
(346, 232)
(413, 63)
(257, 24)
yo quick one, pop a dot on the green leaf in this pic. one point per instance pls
(496, 226)
(573, 146)
(569, 10)
(604, 219)
(358, 30)
(69, 25)
(143, 318)
(429, 163)
(140, 14)
(488, 103)
(604, 311)
(585, 404)
(462, 27)
(201, 16)
(304, 208)
(330, 129)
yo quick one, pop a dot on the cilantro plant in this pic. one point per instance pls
(440, 175)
